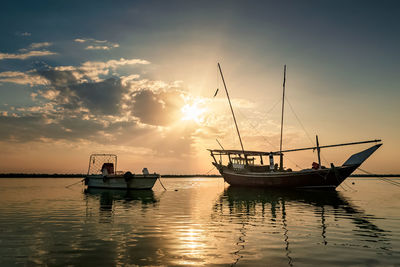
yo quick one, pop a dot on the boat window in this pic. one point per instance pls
(242, 161)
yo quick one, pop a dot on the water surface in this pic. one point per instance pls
(198, 221)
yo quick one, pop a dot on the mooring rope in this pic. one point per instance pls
(162, 184)
(395, 183)
(80, 181)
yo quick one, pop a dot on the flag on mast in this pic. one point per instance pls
(216, 92)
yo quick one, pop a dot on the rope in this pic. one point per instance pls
(304, 129)
(298, 120)
(265, 139)
(80, 181)
(162, 184)
(210, 170)
(274, 105)
(395, 183)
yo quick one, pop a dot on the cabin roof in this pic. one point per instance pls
(241, 152)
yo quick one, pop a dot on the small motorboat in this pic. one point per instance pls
(102, 173)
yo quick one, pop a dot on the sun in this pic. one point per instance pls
(192, 112)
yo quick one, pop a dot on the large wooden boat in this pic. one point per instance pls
(102, 173)
(241, 168)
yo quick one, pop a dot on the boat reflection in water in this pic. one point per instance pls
(127, 199)
(199, 223)
(301, 219)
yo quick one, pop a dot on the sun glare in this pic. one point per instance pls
(192, 112)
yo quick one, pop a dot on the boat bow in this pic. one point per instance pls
(359, 158)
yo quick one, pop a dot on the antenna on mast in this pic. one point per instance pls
(230, 105)
(283, 108)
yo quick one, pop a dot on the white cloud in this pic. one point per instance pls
(88, 71)
(26, 55)
(22, 78)
(39, 45)
(94, 44)
(101, 47)
(89, 65)
(30, 51)
(126, 79)
(78, 40)
(94, 69)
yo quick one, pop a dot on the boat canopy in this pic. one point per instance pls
(275, 153)
(240, 152)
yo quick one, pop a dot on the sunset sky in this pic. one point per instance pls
(137, 78)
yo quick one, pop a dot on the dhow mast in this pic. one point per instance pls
(233, 114)
(283, 108)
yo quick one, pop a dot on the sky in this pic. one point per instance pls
(137, 79)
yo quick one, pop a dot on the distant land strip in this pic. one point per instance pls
(375, 175)
(67, 175)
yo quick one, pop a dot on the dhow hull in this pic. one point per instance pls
(321, 178)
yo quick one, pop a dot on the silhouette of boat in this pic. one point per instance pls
(102, 173)
(241, 169)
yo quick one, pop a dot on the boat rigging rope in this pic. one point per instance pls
(311, 141)
(389, 181)
(304, 129)
(298, 120)
(265, 139)
(210, 170)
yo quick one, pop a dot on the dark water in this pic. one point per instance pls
(203, 223)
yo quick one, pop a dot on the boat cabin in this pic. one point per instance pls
(107, 168)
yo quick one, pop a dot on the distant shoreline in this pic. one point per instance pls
(61, 175)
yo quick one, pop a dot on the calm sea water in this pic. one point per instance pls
(198, 222)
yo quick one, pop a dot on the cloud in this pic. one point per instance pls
(35, 126)
(30, 51)
(93, 44)
(89, 71)
(23, 33)
(90, 103)
(26, 55)
(92, 70)
(157, 107)
(34, 46)
(75, 88)
(78, 40)
(22, 78)
(101, 47)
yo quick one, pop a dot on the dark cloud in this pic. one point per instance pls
(33, 127)
(36, 127)
(101, 97)
(73, 106)
(157, 108)
(57, 78)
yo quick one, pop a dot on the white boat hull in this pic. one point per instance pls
(119, 182)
